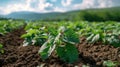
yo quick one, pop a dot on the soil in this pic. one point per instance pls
(98, 53)
(18, 56)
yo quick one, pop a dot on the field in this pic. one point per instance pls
(59, 44)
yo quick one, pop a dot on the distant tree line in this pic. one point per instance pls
(107, 14)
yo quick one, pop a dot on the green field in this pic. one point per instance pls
(63, 38)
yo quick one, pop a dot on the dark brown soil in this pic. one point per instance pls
(18, 56)
(98, 52)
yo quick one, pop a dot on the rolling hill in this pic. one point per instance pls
(31, 15)
(101, 14)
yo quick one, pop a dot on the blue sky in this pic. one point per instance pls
(42, 6)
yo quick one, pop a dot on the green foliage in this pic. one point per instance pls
(34, 37)
(61, 37)
(105, 32)
(53, 40)
(67, 52)
(110, 63)
(103, 14)
(9, 25)
(108, 14)
(46, 48)
(100, 14)
(113, 39)
(93, 38)
(71, 36)
(1, 49)
(2, 31)
(62, 48)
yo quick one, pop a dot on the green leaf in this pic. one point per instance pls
(70, 35)
(1, 46)
(113, 40)
(44, 53)
(39, 40)
(44, 50)
(110, 63)
(95, 38)
(1, 49)
(67, 53)
(90, 37)
(25, 35)
(52, 31)
(33, 31)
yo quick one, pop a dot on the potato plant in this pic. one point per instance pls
(61, 41)
(63, 44)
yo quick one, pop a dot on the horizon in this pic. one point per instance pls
(47, 6)
(58, 12)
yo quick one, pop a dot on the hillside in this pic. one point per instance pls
(102, 14)
(31, 15)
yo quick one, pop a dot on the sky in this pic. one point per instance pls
(43, 6)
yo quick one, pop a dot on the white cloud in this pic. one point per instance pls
(66, 2)
(26, 6)
(94, 4)
(57, 9)
(105, 3)
(42, 5)
(17, 7)
(77, 6)
(61, 6)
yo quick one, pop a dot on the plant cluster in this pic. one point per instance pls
(105, 32)
(9, 25)
(110, 63)
(61, 37)
(58, 39)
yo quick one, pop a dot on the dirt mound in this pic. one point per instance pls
(18, 56)
(98, 53)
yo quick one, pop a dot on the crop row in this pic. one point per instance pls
(61, 37)
(9, 25)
